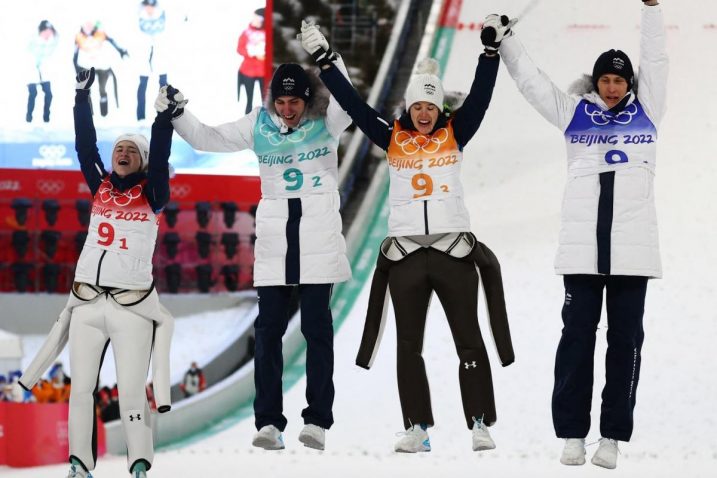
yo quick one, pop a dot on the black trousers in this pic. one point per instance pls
(248, 83)
(317, 328)
(455, 281)
(572, 393)
(32, 94)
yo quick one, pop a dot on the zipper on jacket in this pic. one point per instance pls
(425, 215)
(99, 267)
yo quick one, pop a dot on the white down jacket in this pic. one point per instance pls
(609, 223)
(298, 225)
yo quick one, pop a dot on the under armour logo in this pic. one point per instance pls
(469, 365)
(132, 417)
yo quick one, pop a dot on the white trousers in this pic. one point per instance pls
(92, 327)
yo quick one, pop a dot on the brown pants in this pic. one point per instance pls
(455, 281)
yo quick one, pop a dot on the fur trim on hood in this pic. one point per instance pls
(319, 103)
(584, 85)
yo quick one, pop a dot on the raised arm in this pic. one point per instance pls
(160, 146)
(468, 117)
(226, 138)
(343, 95)
(85, 134)
(654, 64)
(552, 103)
(337, 119)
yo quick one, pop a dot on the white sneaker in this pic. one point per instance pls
(606, 454)
(76, 471)
(313, 436)
(573, 452)
(413, 440)
(481, 437)
(268, 438)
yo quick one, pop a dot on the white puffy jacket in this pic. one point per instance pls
(298, 225)
(609, 223)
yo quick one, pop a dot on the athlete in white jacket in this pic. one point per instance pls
(298, 235)
(113, 297)
(608, 237)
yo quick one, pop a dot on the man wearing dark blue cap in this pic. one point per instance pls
(609, 235)
(298, 233)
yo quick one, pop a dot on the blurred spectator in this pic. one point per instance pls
(41, 49)
(43, 392)
(150, 396)
(102, 399)
(194, 381)
(153, 49)
(3, 384)
(91, 51)
(252, 46)
(13, 391)
(111, 411)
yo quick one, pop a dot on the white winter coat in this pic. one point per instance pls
(611, 143)
(322, 248)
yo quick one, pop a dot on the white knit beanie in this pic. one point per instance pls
(142, 145)
(425, 85)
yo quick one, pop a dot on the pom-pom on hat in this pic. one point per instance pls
(142, 146)
(425, 85)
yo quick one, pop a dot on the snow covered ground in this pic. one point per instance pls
(513, 175)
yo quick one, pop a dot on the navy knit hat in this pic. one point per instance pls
(290, 79)
(614, 62)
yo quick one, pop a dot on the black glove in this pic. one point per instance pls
(84, 79)
(170, 101)
(495, 28)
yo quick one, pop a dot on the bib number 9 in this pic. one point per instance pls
(107, 235)
(615, 156)
(422, 183)
(295, 179)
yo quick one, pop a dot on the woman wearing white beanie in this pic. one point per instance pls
(113, 297)
(430, 247)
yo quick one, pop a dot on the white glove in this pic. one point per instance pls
(84, 79)
(314, 42)
(170, 98)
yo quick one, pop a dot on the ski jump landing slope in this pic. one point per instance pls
(514, 174)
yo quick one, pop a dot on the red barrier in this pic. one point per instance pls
(36, 434)
(3, 454)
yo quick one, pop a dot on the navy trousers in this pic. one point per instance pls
(572, 393)
(317, 328)
(32, 94)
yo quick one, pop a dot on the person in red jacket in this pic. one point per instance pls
(252, 46)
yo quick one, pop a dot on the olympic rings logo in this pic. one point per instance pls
(297, 136)
(52, 151)
(120, 198)
(180, 191)
(599, 118)
(50, 187)
(412, 144)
